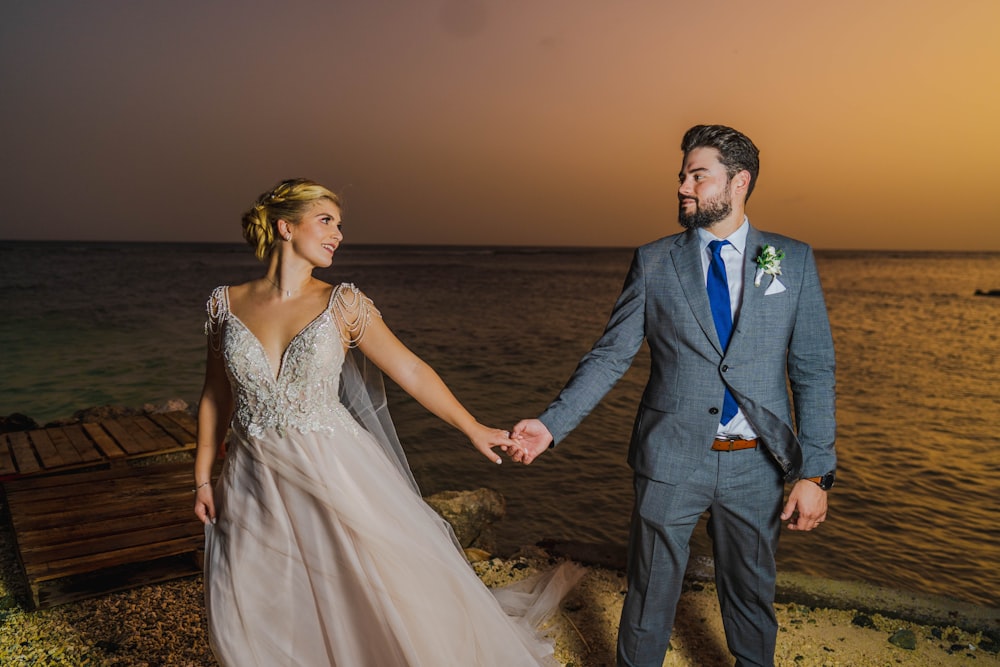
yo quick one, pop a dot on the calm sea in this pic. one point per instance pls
(918, 493)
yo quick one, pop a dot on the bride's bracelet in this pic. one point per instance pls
(195, 489)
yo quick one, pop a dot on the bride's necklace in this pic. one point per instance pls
(288, 292)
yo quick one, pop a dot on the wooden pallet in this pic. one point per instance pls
(47, 450)
(86, 533)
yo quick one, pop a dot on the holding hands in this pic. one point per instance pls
(486, 439)
(531, 438)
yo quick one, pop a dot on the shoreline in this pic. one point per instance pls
(164, 624)
(813, 591)
(821, 621)
(840, 593)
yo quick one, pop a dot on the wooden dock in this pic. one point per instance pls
(89, 516)
(47, 450)
(82, 534)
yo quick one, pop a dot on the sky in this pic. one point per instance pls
(499, 122)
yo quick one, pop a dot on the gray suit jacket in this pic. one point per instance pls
(780, 341)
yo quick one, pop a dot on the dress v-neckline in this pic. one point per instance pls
(276, 375)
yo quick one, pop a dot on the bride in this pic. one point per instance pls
(319, 549)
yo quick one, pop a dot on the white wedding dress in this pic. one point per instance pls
(323, 552)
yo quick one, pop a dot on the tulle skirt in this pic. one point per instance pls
(322, 555)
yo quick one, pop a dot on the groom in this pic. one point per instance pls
(734, 317)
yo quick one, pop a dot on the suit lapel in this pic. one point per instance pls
(686, 256)
(751, 301)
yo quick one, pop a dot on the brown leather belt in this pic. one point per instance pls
(733, 445)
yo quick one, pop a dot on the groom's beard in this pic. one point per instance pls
(704, 215)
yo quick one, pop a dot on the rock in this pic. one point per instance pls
(863, 621)
(471, 514)
(990, 642)
(17, 422)
(102, 412)
(904, 639)
(171, 405)
(96, 414)
(474, 555)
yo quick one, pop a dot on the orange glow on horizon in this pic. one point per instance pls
(473, 122)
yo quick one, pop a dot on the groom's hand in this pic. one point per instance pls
(806, 506)
(532, 438)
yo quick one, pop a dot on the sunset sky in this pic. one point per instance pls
(500, 122)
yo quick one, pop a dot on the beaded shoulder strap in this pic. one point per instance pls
(217, 308)
(352, 311)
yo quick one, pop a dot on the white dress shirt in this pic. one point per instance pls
(733, 256)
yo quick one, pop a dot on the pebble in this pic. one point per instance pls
(904, 639)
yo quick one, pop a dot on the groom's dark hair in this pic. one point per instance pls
(735, 148)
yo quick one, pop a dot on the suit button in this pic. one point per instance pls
(713, 411)
(725, 369)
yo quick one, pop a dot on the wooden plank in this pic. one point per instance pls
(85, 447)
(163, 441)
(108, 580)
(107, 481)
(47, 452)
(7, 466)
(24, 455)
(41, 557)
(78, 521)
(98, 496)
(41, 536)
(145, 443)
(89, 562)
(65, 479)
(54, 514)
(85, 533)
(68, 478)
(103, 441)
(185, 421)
(63, 445)
(41, 450)
(118, 435)
(124, 435)
(180, 434)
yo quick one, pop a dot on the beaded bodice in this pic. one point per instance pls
(303, 392)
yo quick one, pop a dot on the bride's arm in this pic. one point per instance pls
(421, 382)
(214, 413)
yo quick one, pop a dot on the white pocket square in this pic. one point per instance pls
(774, 288)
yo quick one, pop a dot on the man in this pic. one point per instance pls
(733, 317)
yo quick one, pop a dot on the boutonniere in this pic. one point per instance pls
(769, 262)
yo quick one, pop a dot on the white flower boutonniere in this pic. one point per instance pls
(769, 262)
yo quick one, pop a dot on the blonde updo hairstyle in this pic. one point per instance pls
(287, 201)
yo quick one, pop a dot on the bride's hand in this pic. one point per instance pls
(204, 504)
(485, 439)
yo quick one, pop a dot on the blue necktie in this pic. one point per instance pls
(718, 297)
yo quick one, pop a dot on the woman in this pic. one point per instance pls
(319, 549)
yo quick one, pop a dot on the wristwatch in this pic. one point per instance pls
(825, 482)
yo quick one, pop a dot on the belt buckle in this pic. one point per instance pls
(731, 439)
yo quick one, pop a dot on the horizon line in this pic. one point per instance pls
(401, 245)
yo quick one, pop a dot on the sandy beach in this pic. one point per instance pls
(164, 624)
(822, 622)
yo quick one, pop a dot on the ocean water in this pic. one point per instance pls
(917, 498)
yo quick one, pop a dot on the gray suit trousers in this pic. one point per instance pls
(743, 492)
